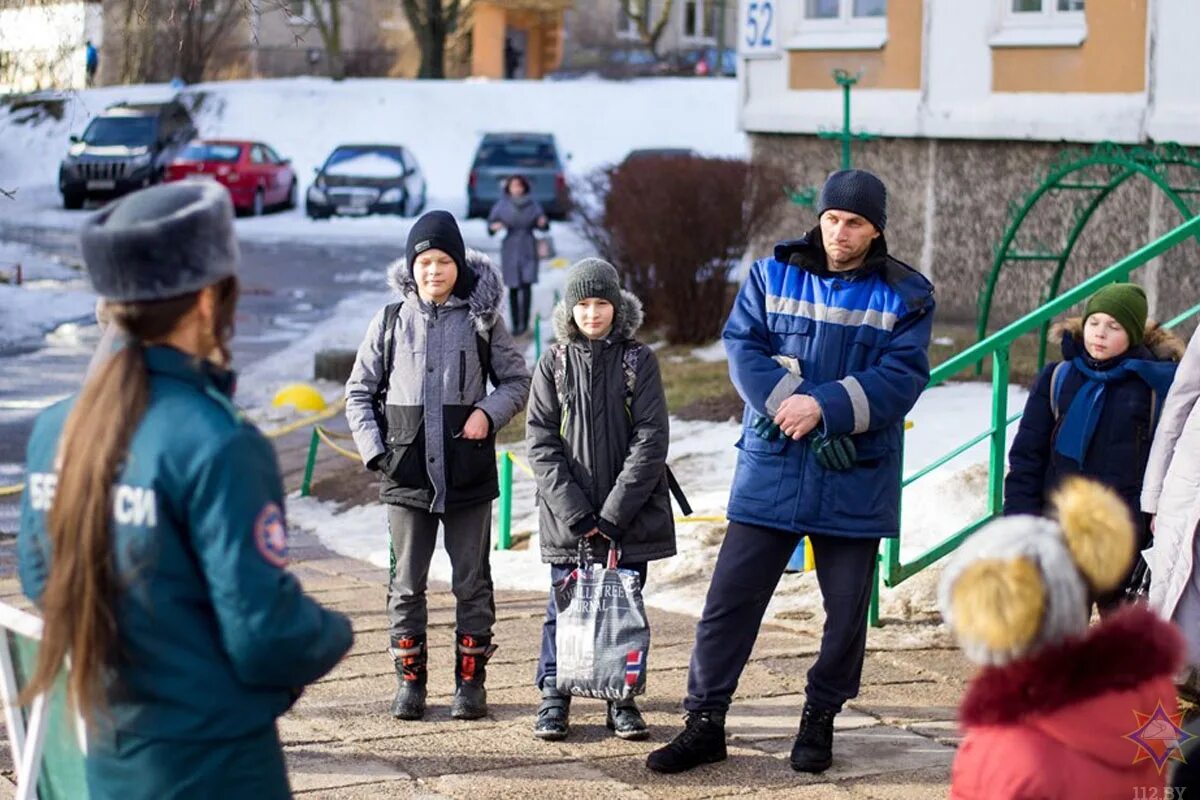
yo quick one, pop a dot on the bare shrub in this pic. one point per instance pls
(676, 228)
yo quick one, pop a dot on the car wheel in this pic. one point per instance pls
(73, 202)
(291, 197)
(257, 209)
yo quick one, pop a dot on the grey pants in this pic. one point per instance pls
(467, 533)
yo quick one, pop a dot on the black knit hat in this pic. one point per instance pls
(593, 277)
(857, 191)
(438, 230)
(162, 242)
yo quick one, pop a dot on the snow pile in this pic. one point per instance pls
(38, 307)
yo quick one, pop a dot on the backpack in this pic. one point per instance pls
(483, 348)
(630, 359)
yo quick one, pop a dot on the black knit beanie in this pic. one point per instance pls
(438, 230)
(857, 191)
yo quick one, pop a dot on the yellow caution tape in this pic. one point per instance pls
(521, 465)
(324, 436)
(5, 491)
(292, 427)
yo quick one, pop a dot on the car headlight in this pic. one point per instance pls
(391, 196)
(316, 195)
(138, 162)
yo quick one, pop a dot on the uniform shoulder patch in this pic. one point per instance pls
(271, 536)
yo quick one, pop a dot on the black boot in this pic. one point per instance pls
(702, 741)
(410, 657)
(625, 721)
(553, 715)
(470, 697)
(813, 748)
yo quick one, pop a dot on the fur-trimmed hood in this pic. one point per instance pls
(626, 321)
(484, 300)
(1162, 343)
(1120, 654)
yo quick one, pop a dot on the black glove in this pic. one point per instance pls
(608, 530)
(376, 463)
(766, 429)
(835, 453)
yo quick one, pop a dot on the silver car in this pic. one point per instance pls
(531, 155)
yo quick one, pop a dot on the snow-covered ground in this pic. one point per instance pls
(596, 122)
(52, 292)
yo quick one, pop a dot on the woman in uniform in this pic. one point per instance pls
(153, 535)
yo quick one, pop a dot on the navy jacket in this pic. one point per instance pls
(1120, 446)
(216, 638)
(858, 344)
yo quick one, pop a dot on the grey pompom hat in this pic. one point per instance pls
(161, 242)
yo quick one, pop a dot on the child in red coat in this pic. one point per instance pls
(1054, 711)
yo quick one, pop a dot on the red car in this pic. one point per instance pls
(256, 177)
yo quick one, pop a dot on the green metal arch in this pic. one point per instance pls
(1122, 164)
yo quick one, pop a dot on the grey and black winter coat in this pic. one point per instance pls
(436, 381)
(597, 464)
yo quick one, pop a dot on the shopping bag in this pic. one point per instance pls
(545, 247)
(603, 637)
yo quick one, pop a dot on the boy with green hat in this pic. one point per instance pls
(1094, 412)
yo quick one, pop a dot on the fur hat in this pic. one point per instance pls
(162, 242)
(857, 191)
(1024, 582)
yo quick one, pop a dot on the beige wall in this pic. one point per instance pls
(897, 65)
(1111, 59)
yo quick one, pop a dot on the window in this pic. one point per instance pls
(699, 20)
(257, 156)
(841, 25)
(1041, 23)
(297, 11)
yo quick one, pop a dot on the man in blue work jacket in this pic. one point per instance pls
(828, 347)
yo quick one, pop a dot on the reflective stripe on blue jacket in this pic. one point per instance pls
(860, 341)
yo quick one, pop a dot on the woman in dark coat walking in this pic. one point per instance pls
(518, 214)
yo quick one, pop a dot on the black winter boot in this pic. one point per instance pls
(470, 697)
(553, 715)
(411, 658)
(625, 721)
(813, 748)
(702, 741)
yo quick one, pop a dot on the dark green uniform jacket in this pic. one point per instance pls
(216, 637)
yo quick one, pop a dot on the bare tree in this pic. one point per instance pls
(327, 16)
(162, 39)
(639, 12)
(432, 21)
(200, 28)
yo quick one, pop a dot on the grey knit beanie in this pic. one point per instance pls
(857, 191)
(593, 277)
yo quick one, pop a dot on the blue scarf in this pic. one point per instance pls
(1079, 424)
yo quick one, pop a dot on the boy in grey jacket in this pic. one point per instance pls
(597, 431)
(421, 415)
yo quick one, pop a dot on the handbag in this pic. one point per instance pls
(1138, 587)
(545, 247)
(603, 637)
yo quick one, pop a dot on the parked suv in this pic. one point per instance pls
(532, 155)
(125, 148)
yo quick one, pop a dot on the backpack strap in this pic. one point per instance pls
(629, 365)
(1056, 386)
(387, 334)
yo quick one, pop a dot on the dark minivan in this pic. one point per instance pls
(532, 155)
(125, 148)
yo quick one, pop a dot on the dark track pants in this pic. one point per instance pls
(751, 561)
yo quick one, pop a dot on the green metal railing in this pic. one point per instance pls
(997, 347)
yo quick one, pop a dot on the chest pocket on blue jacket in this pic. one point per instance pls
(866, 347)
(791, 335)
